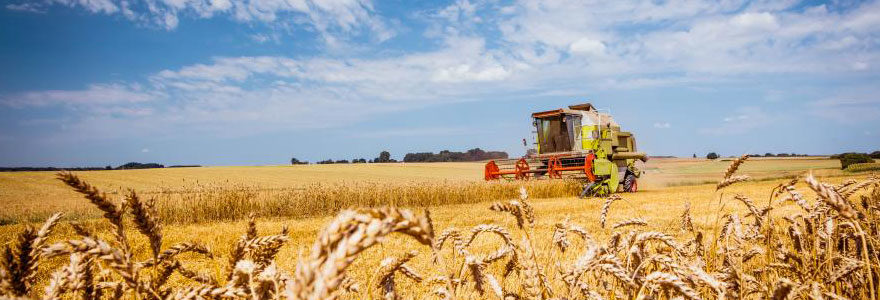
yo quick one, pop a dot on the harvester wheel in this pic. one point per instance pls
(630, 184)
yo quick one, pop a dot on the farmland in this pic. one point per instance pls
(33, 196)
(668, 186)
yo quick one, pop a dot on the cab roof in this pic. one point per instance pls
(556, 112)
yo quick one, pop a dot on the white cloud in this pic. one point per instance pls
(94, 95)
(263, 38)
(145, 150)
(532, 49)
(27, 6)
(662, 125)
(587, 46)
(332, 19)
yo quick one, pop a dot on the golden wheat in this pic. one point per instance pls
(825, 251)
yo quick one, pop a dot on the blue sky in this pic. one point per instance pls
(229, 82)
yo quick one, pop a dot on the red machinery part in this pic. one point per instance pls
(588, 167)
(519, 169)
(554, 168)
(522, 169)
(491, 171)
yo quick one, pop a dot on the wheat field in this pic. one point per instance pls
(34, 196)
(772, 235)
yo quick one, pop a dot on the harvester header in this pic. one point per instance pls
(577, 142)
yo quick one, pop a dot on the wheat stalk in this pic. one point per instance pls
(603, 215)
(112, 212)
(146, 220)
(630, 222)
(734, 166)
(667, 280)
(387, 268)
(687, 223)
(731, 180)
(832, 198)
(320, 275)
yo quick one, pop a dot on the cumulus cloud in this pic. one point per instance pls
(480, 52)
(332, 19)
(94, 95)
(27, 7)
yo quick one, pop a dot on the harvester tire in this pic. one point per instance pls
(630, 185)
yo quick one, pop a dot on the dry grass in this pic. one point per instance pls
(731, 247)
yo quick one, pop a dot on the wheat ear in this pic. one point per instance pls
(603, 215)
(320, 275)
(146, 220)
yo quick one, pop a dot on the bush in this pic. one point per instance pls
(294, 161)
(847, 159)
(384, 157)
(712, 155)
(136, 165)
(875, 154)
(861, 167)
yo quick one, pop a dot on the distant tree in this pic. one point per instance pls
(358, 161)
(875, 154)
(384, 157)
(712, 155)
(847, 159)
(326, 162)
(695, 155)
(342, 161)
(137, 165)
(475, 154)
(108, 167)
(294, 161)
(768, 154)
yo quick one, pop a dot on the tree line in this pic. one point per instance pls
(475, 154)
(127, 166)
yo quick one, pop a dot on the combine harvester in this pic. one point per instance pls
(577, 142)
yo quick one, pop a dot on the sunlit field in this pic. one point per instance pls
(726, 235)
(33, 196)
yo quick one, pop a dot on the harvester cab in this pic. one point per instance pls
(580, 143)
